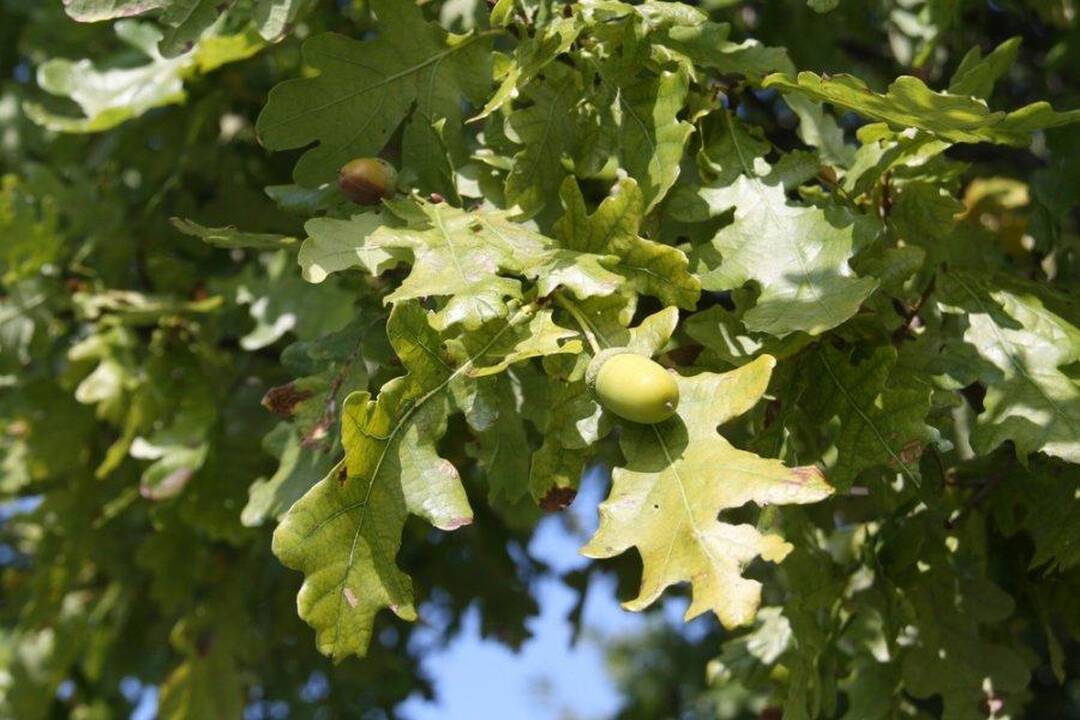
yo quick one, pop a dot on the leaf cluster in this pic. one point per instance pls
(243, 417)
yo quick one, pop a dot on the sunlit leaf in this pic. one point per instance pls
(909, 103)
(678, 476)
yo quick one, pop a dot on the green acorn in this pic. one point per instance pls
(633, 386)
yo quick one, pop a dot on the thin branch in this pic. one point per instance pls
(581, 320)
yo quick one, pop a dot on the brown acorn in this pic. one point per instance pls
(366, 181)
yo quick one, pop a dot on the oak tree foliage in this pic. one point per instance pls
(255, 423)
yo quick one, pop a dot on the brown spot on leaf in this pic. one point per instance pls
(807, 473)
(456, 523)
(911, 452)
(283, 399)
(170, 485)
(558, 499)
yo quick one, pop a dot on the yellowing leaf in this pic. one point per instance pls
(679, 475)
(344, 533)
(517, 341)
(335, 244)
(475, 258)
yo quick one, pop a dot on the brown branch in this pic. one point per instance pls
(313, 436)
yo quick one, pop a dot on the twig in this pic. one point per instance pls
(318, 431)
(904, 331)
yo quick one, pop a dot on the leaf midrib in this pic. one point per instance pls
(339, 588)
(698, 533)
(437, 57)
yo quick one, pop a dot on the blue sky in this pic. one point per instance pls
(548, 679)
